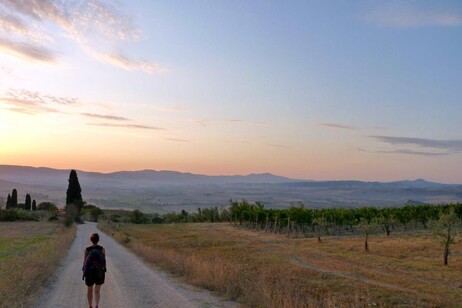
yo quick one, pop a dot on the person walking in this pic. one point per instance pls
(94, 269)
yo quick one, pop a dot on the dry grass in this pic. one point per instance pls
(29, 253)
(266, 270)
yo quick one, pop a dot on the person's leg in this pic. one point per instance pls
(97, 294)
(90, 295)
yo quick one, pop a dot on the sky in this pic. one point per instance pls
(320, 90)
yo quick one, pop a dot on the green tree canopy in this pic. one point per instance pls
(47, 206)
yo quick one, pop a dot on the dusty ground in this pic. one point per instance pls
(129, 281)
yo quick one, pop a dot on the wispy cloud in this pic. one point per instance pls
(226, 121)
(29, 102)
(338, 126)
(21, 110)
(178, 140)
(404, 15)
(9, 22)
(99, 27)
(127, 63)
(420, 146)
(236, 121)
(277, 145)
(135, 126)
(411, 152)
(375, 127)
(27, 50)
(26, 106)
(104, 116)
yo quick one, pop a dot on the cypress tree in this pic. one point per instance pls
(14, 198)
(74, 201)
(34, 205)
(8, 202)
(74, 192)
(28, 203)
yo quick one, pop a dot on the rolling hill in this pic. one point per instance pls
(162, 191)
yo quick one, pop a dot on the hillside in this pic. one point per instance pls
(142, 178)
(163, 191)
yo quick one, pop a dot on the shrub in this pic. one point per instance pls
(17, 214)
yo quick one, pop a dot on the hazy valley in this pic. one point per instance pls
(162, 191)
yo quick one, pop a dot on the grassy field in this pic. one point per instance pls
(267, 270)
(29, 252)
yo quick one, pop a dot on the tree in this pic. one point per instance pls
(137, 217)
(28, 202)
(95, 213)
(2, 202)
(72, 214)
(47, 206)
(91, 212)
(8, 202)
(445, 228)
(34, 205)
(319, 223)
(74, 201)
(74, 192)
(14, 198)
(386, 219)
(367, 228)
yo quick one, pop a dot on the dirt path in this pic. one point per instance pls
(129, 281)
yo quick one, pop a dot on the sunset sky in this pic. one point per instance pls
(364, 90)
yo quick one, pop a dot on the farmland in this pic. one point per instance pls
(258, 268)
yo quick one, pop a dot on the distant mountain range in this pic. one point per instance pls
(142, 178)
(170, 190)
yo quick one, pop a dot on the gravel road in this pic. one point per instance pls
(129, 281)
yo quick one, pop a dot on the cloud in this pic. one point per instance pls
(407, 152)
(28, 51)
(430, 147)
(200, 122)
(450, 145)
(136, 126)
(411, 152)
(178, 140)
(404, 15)
(98, 27)
(234, 121)
(226, 121)
(339, 126)
(378, 128)
(29, 102)
(22, 111)
(10, 22)
(104, 116)
(127, 63)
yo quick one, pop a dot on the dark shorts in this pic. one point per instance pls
(94, 278)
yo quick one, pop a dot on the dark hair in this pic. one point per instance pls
(94, 238)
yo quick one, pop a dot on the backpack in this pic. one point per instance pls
(95, 263)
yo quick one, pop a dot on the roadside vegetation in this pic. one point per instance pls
(29, 254)
(34, 238)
